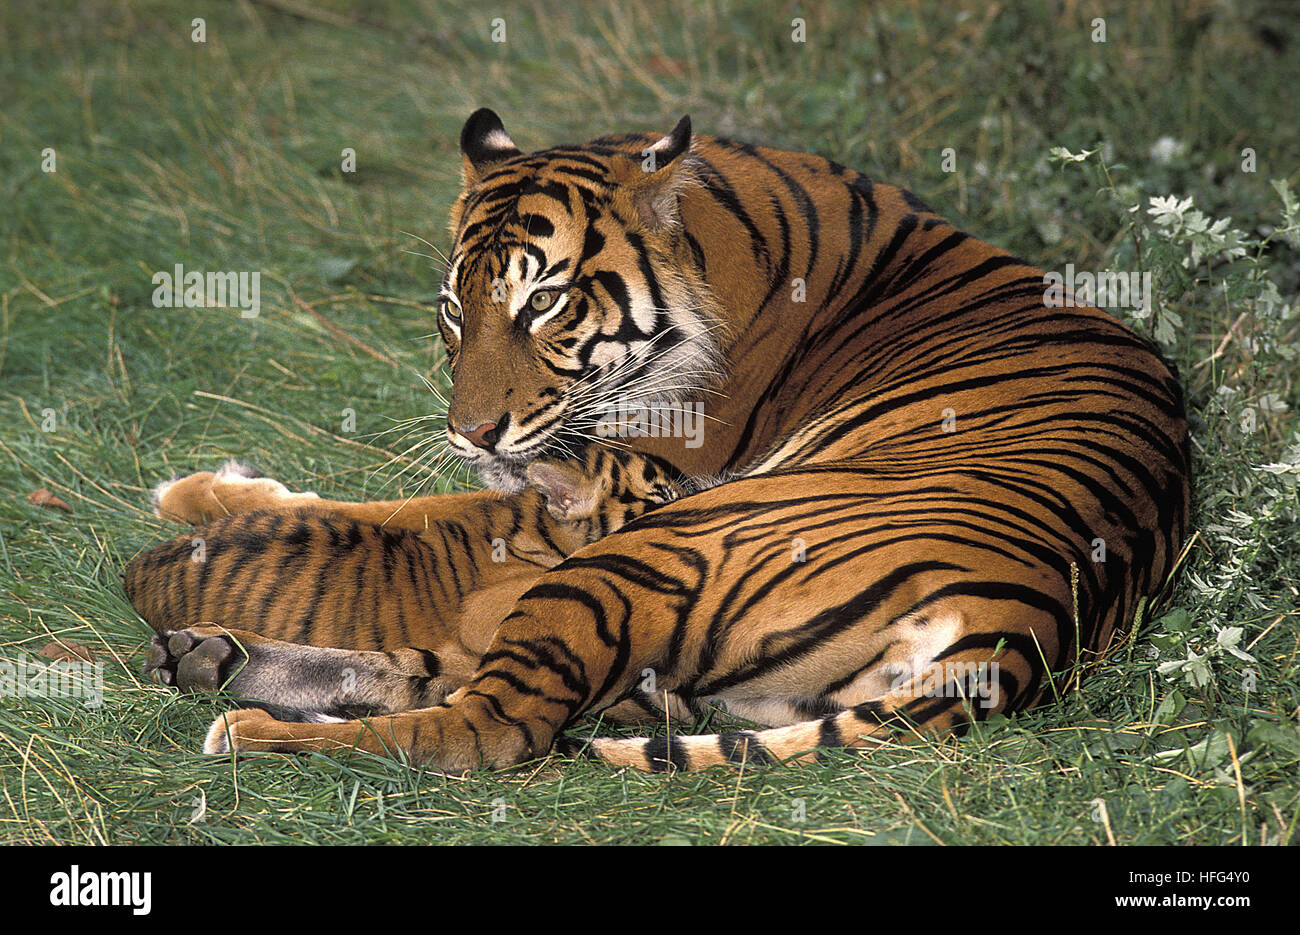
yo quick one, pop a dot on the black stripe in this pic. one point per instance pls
(744, 747)
(661, 752)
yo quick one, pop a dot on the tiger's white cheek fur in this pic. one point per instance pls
(607, 352)
(643, 309)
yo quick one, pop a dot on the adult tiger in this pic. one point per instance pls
(908, 456)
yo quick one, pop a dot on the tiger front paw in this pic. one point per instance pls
(237, 731)
(196, 659)
(234, 488)
(252, 730)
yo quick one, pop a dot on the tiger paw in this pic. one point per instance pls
(234, 488)
(253, 730)
(230, 730)
(196, 659)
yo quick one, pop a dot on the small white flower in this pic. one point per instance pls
(1272, 402)
(1169, 210)
(1064, 155)
(1166, 149)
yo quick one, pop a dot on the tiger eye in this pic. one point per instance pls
(541, 301)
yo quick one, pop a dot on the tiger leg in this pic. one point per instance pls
(584, 498)
(235, 488)
(312, 683)
(304, 682)
(267, 729)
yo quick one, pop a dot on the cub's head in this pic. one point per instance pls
(571, 288)
(604, 491)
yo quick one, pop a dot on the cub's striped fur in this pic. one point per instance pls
(415, 609)
(919, 494)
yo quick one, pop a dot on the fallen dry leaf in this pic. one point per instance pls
(668, 67)
(43, 497)
(66, 650)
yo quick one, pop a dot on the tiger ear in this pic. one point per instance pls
(483, 143)
(569, 493)
(658, 175)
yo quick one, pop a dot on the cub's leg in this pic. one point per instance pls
(304, 682)
(232, 488)
(585, 498)
(235, 488)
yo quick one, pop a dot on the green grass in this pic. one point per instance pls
(225, 155)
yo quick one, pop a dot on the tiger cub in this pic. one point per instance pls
(443, 589)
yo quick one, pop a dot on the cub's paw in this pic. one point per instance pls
(196, 659)
(234, 488)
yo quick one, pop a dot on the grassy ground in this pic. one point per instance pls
(226, 155)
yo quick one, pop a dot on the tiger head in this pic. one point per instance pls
(570, 289)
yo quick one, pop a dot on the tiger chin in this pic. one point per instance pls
(889, 527)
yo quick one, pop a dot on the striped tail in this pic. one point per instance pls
(866, 724)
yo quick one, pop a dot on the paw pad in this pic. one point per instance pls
(193, 662)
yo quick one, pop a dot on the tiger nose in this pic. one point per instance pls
(485, 436)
